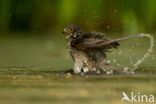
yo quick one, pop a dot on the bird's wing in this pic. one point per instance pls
(97, 43)
(97, 35)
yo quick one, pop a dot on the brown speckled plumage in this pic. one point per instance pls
(88, 50)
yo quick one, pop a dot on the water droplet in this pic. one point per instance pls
(118, 65)
(126, 68)
(108, 27)
(108, 61)
(115, 11)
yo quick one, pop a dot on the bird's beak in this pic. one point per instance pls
(64, 31)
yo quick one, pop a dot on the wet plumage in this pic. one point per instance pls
(88, 50)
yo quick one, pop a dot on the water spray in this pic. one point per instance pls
(147, 54)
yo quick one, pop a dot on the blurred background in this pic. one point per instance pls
(30, 30)
(48, 16)
(32, 46)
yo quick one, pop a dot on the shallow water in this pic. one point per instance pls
(26, 86)
(28, 74)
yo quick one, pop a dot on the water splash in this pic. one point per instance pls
(147, 54)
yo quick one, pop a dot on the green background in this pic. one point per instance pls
(30, 31)
(32, 47)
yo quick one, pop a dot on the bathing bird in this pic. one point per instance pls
(88, 50)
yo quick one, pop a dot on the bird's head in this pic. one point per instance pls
(72, 30)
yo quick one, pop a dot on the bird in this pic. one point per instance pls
(88, 50)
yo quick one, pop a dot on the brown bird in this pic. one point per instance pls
(88, 50)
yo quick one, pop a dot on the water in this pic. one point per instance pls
(147, 54)
(40, 85)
